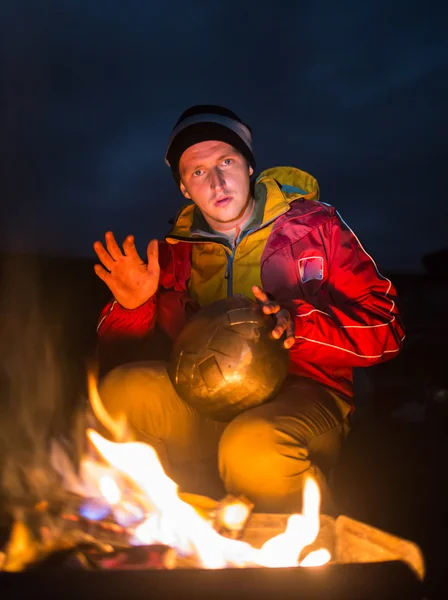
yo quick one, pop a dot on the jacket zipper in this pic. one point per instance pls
(231, 256)
(229, 273)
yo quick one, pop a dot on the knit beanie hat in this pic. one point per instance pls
(205, 122)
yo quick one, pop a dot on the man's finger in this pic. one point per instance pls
(103, 274)
(279, 330)
(112, 246)
(153, 254)
(271, 308)
(259, 294)
(130, 250)
(289, 342)
(284, 321)
(282, 324)
(290, 334)
(103, 255)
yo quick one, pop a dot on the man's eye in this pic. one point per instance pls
(197, 173)
(227, 161)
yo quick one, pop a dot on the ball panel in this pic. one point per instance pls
(210, 373)
(185, 367)
(227, 342)
(244, 315)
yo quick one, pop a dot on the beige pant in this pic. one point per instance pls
(264, 453)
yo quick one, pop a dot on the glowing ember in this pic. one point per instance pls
(231, 515)
(173, 522)
(235, 514)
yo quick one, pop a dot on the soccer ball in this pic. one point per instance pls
(225, 360)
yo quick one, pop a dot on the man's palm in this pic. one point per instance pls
(131, 281)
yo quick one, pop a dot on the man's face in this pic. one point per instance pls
(216, 177)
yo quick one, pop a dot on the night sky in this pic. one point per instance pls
(355, 93)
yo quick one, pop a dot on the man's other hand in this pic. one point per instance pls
(285, 322)
(131, 281)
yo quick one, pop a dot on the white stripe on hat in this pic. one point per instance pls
(239, 128)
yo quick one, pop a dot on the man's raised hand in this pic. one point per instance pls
(129, 278)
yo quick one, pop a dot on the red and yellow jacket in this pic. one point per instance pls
(300, 251)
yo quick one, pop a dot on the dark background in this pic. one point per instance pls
(354, 93)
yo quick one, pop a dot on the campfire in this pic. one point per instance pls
(120, 511)
(124, 491)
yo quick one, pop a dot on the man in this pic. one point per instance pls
(271, 240)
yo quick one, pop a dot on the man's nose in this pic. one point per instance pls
(217, 179)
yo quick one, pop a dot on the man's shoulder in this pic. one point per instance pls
(309, 212)
(302, 218)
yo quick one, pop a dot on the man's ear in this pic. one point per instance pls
(183, 189)
(250, 170)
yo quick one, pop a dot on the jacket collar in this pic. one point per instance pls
(274, 190)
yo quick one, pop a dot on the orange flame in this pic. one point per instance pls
(116, 427)
(175, 523)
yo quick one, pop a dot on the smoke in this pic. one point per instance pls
(32, 395)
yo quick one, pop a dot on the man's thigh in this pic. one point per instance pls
(304, 424)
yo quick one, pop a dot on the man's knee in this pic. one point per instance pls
(245, 441)
(259, 460)
(132, 383)
(142, 393)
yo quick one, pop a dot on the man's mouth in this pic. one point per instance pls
(222, 202)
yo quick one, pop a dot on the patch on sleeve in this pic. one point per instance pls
(310, 268)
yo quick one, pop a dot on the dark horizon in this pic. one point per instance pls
(90, 92)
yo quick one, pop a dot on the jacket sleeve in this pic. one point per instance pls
(353, 319)
(170, 306)
(117, 321)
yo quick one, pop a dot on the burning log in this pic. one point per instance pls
(26, 550)
(156, 556)
(92, 546)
